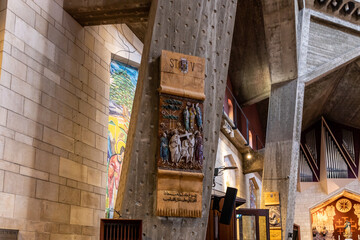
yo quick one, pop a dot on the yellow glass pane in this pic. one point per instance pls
(262, 227)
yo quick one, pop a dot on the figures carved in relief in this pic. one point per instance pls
(180, 133)
(198, 116)
(192, 116)
(164, 147)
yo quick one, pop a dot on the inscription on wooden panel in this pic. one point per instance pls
(180, 153)
(182, 75)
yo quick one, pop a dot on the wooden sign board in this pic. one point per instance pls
(179, 194)
(180, 152)
(272, 198)
(182, 75)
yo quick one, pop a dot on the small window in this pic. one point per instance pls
(231, 110)
(250, 139)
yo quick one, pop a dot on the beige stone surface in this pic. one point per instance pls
(24, 139)
(47, 190)
(89, 152)
(27, 208)
(47, 103)
(26, 90)
(94, 177)
(26, 13)
(18, 184)
(11, 100)
(2, 173)
(73, 170)
(7, 202)
(69, 195)
(3, 116)
(82, 216)
(19, 153)
(8, 166)
(69, 237)
(24, 125)
(40, 114)
(70, 229)
(88, 137)
(47, 162)
(55, 212)
(33, 173)
(98, 214)
(90, 200)
(2, 145)
(58, 139)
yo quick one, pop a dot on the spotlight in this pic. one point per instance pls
(334, 3)
(347, 7)
(248, 156)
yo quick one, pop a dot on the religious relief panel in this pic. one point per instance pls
(181, 144)
(337, 220)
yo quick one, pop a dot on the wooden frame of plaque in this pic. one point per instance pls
(180, 152)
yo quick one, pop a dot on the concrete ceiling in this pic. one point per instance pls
(336, 97)
(133, 13)
(249, 67)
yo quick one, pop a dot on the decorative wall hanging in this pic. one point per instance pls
(272, 202)
(181, 145)
(337, 218)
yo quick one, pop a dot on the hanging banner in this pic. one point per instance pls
(180, 154)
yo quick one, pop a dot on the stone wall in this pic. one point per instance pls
(227, 149)
(54, 89)
(311, 197)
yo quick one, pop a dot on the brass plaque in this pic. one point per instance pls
(272, 198)
(275, 234)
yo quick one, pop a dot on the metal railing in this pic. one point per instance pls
(242, 123)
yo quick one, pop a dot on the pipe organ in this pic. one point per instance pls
(311, 144)
(336, 165)
(306, 175)
(348, 143)
(331, 149)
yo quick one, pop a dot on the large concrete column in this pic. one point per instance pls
(282, 147)
(202, 28)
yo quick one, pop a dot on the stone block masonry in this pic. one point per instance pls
(54, 83)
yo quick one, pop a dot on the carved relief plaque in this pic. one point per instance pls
(181, 145)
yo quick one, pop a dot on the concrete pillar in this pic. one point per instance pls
(282, 147)
(202, 28)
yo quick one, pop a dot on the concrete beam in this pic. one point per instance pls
(280, 32)
(249, 66)
(282, 148)
(202, 28)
